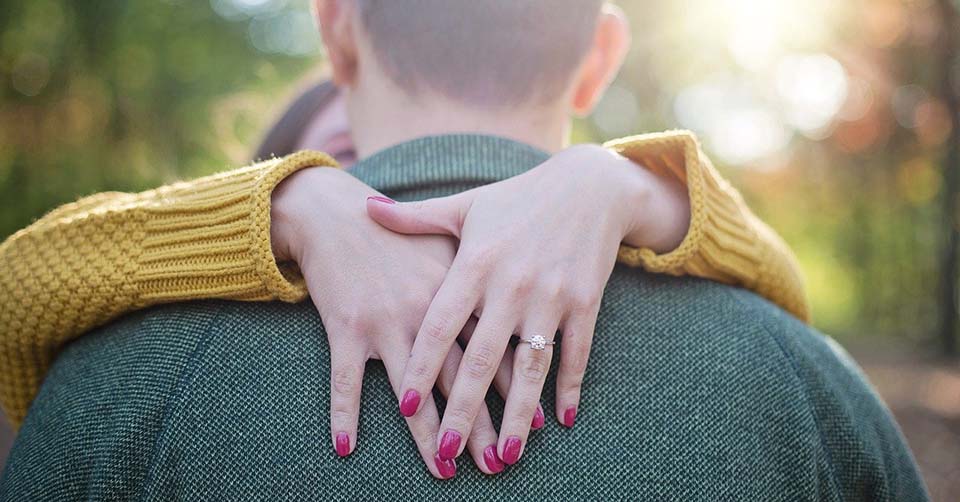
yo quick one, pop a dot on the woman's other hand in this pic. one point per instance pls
(372, 288)
(535, 254)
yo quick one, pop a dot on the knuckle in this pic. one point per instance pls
(573, 371)
(552, 287)
(459, 415)
(586, 300)
(345, 380)
(420, 371)
(354, 321)
(534, 369)
(424, 436)
(340, 417)
(480, 363)
(577, 364)
(482, 429)
(576, 354)
(438, 329)
(521, 283)
(571, 384)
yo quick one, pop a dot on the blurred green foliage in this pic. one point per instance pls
(123, 95)
(830, 117)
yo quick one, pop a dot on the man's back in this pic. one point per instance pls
(694, 391)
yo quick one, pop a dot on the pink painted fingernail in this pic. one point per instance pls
(492, 460)
(409, 403)
(570, 416)
(343, 444)
(449, 445)
(538, 419)
(511, 450)
(447, 468)
(384, 200)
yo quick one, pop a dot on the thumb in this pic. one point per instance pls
(442, 216)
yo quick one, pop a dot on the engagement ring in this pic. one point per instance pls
(537, 342)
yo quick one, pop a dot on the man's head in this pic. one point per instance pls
(547, 59)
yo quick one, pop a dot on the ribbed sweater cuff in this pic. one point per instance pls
(211, 238)
(720, 244)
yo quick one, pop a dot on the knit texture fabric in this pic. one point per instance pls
(726, 242)
(695, 391)
(86, 263)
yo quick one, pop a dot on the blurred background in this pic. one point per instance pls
(839, 121)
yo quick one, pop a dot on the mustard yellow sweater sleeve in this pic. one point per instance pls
(725, 241)
(88, 262)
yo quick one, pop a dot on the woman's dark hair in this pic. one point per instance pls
(284, 136)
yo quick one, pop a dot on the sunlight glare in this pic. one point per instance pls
(813, 88)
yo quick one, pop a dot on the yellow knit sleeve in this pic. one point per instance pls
(726, 242)
(88, 262)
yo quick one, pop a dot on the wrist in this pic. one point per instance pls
(659, 208)
(654, 210)
(292, 203)
(628, 189)
(621, 189)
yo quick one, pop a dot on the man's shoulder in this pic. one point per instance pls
(699, 323)
(765, 371)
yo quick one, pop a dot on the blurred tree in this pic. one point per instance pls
(949, 61)
(123, 95)
(832, 117)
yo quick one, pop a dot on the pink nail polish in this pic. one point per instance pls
(449, 445)
(447, 468)
(343, 444)
(511, 450)
(570, 416)
(384, 200)
(538, 419)
(410, 403)
(492, 460)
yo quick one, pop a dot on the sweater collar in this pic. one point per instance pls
(452, 162)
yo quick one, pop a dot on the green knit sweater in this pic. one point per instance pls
(695, 391)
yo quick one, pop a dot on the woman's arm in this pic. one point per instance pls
(725, 242)
(87, 263)
(536, 252)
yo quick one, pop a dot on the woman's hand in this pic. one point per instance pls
(535, 254)
(372, 288)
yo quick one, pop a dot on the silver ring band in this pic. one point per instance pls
(537, 342)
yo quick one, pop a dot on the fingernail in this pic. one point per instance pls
(538, 418)
(409, 403)
(492, 460)
(511, 450)
(343, 444)
(570, 416)
(449, 445)
(384, 200)
(447, 468)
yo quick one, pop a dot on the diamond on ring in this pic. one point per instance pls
(537, 342)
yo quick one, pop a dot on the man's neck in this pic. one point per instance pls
(382, 123)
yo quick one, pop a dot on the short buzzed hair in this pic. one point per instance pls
(483, 52)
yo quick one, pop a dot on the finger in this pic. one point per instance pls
(501, 380)
(445, 318)
(574, 354)
(530, 368)
(482, 442)
(347, 363)
(424, 425)
(477, 368)
(443, 215)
